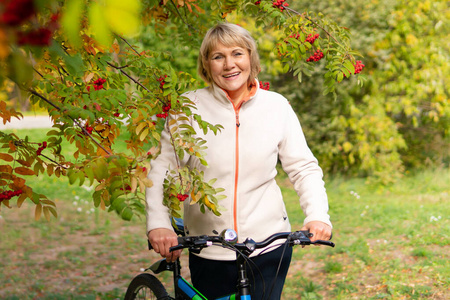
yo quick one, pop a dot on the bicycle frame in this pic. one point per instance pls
(187, 291)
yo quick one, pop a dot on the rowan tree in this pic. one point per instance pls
(85, 64)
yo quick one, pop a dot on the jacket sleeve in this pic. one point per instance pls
(157, 214)
(303, 170)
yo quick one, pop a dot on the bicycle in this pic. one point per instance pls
(147, 286)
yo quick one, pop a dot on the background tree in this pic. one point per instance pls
(400, 118)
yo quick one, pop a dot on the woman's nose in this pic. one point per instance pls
(229, 63)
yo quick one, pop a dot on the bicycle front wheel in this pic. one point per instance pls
(146, 286)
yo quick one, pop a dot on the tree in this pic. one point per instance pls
(97, 83)
(400, 117)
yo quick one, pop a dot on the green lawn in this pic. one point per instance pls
(392, 243)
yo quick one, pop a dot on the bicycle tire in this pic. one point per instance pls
(146, 286)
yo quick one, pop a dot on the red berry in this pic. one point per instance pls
(16, 12)
(98, 84)
(358, 67)
(39, 37)
(264, 85)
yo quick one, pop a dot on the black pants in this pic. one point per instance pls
(214, 278)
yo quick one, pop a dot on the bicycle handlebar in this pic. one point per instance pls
(197, 243)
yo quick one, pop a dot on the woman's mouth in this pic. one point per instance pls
(231, 75)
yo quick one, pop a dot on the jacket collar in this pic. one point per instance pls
(222, 96)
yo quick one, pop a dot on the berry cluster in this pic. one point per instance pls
(311, 38)
(98, 84)
(358, 66)
(6, 195)
(162, 81)
(264, 85)
(41, 147)
(127, 188)
(162, 115)
(165, 113)
(280, 4)
(17, 12)
(318, 55)
(182, 197)
(38, 37)
(257, 2)
(89, 129)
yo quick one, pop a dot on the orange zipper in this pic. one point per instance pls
(236, 174)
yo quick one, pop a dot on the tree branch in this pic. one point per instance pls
(33, 92)
(131, 78)
(132, 48)
(314, 22)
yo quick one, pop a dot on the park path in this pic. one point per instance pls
(27, 122)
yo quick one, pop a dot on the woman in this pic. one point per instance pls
(260, 127)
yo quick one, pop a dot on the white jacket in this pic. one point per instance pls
(243, 158)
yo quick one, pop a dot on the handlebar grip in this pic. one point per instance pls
(326, 243)
(180, 241)
(149, 245)
(177, 247)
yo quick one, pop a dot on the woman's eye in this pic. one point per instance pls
(238, 54)
(217, 57)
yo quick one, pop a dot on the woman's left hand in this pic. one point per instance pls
(320, 230)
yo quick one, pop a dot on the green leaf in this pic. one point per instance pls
(349, 66)
(71, 20)
(74, 64)
(99, 25)
(126, 214)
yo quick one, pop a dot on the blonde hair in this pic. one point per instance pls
(228, 35)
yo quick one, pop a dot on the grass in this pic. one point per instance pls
(391, 244)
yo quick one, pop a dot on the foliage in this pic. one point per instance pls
(400, 118)
(84, 63)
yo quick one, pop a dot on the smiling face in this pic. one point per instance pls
(230, 68)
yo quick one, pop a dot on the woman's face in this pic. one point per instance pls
(230, 67)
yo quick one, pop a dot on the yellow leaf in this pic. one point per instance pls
(46, 213)
(102, 204)
(53, 211)
(143, 134)
(38, 212)
(123, 16)
(194, 198)
(98, 24)
(21, 199)
(71, 20)
(148, 183)
(100, 127)
(88, 77)
(48, 202)
(140, 127)
(133, 184)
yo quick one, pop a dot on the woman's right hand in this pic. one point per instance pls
(162, 239)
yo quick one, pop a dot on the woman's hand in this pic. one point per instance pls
(320, 230)
(162, 239)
